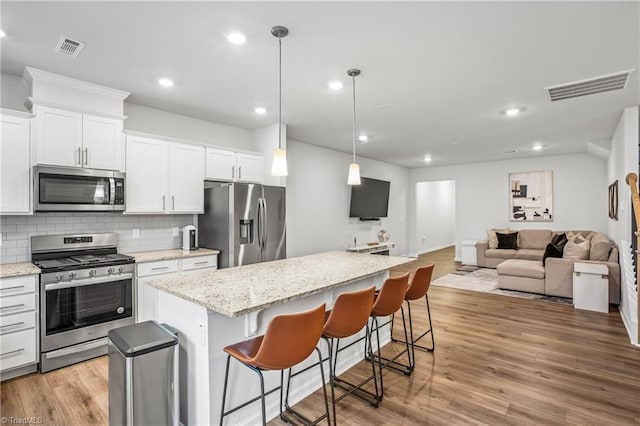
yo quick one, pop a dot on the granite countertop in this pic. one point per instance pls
(152, 256)
(18, 269)
(237, 291)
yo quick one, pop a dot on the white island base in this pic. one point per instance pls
(203, 334)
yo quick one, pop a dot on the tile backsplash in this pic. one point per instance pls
(156, 231)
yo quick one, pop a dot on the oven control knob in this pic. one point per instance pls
(110, 270)
(92, 273)
(59, 276)
(120, 269)
(72, 275)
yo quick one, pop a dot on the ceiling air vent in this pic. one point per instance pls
(69, 47)
(605, 83)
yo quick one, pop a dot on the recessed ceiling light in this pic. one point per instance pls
(363, 138)
(260, 110)
(335, 85)
(537, 147)
(513, 111)
(427, 159)
(165, 82)
(236, 38)
(2, 34)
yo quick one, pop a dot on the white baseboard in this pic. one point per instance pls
(632, 328)
(436, 248)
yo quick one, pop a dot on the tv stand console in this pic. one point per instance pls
(381, 248)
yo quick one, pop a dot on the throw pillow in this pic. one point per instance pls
(577, 248)
(600, 248)
(552, 250)
(559, 240)
(507, 241)
(491, 236)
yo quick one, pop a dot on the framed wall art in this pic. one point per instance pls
(613, 200)
(531, 196)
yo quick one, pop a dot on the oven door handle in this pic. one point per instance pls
(87, 281)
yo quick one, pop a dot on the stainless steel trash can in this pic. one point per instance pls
(143, 375)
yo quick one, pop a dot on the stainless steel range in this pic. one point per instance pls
(86, 289)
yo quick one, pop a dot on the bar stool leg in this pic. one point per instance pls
(414, 340)
(289, 409)
(224, 392)
(351, 388)
(262, 397)
(375, 320)
(262, 394)
(373, 367)
(331, 378)
(406, 369)
(429, 331)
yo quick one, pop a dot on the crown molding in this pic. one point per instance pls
(15, 113)
(30, 102)
(188, 142)
(31, 74)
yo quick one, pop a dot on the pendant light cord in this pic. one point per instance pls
(354, 117)
(279, 92)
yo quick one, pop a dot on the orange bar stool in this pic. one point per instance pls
(388, 301)
(350, 314)
(417, 290)
(288, 341)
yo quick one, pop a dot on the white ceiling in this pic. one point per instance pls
(444, 70)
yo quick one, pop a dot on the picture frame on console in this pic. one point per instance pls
(531, 196)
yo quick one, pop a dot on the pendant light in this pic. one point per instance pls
(279, 165)
(354, 168)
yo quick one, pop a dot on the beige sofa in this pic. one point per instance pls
(555, 278)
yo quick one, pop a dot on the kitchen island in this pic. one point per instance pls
(214, 309)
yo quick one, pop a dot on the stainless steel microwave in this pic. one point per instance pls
(70, 189)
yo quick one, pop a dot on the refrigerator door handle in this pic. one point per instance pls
(260, 223)
(264, 221)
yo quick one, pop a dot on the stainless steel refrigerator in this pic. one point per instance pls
(246, 222)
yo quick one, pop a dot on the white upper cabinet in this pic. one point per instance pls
(147, 182)
(186, 172)
(58, 136)
(250, 167)
(232, 166)
(15, 175)
(164, 177)
(221, 164)
(77, 123)
(103, 146)
(74, 139)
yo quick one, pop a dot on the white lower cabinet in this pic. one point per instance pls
(147, 297)
(18, 325)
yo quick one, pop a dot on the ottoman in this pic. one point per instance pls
(521, 275)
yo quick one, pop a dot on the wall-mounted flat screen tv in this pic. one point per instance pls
(370, 199)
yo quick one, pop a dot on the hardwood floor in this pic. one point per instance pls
(498, 360)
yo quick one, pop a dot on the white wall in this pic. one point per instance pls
(318, 201)
(482, 194)
(13, 92)
(150, 120)
(265, 140)
(622, 160)
(435, 216)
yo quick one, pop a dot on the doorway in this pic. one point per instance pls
(435, 215)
